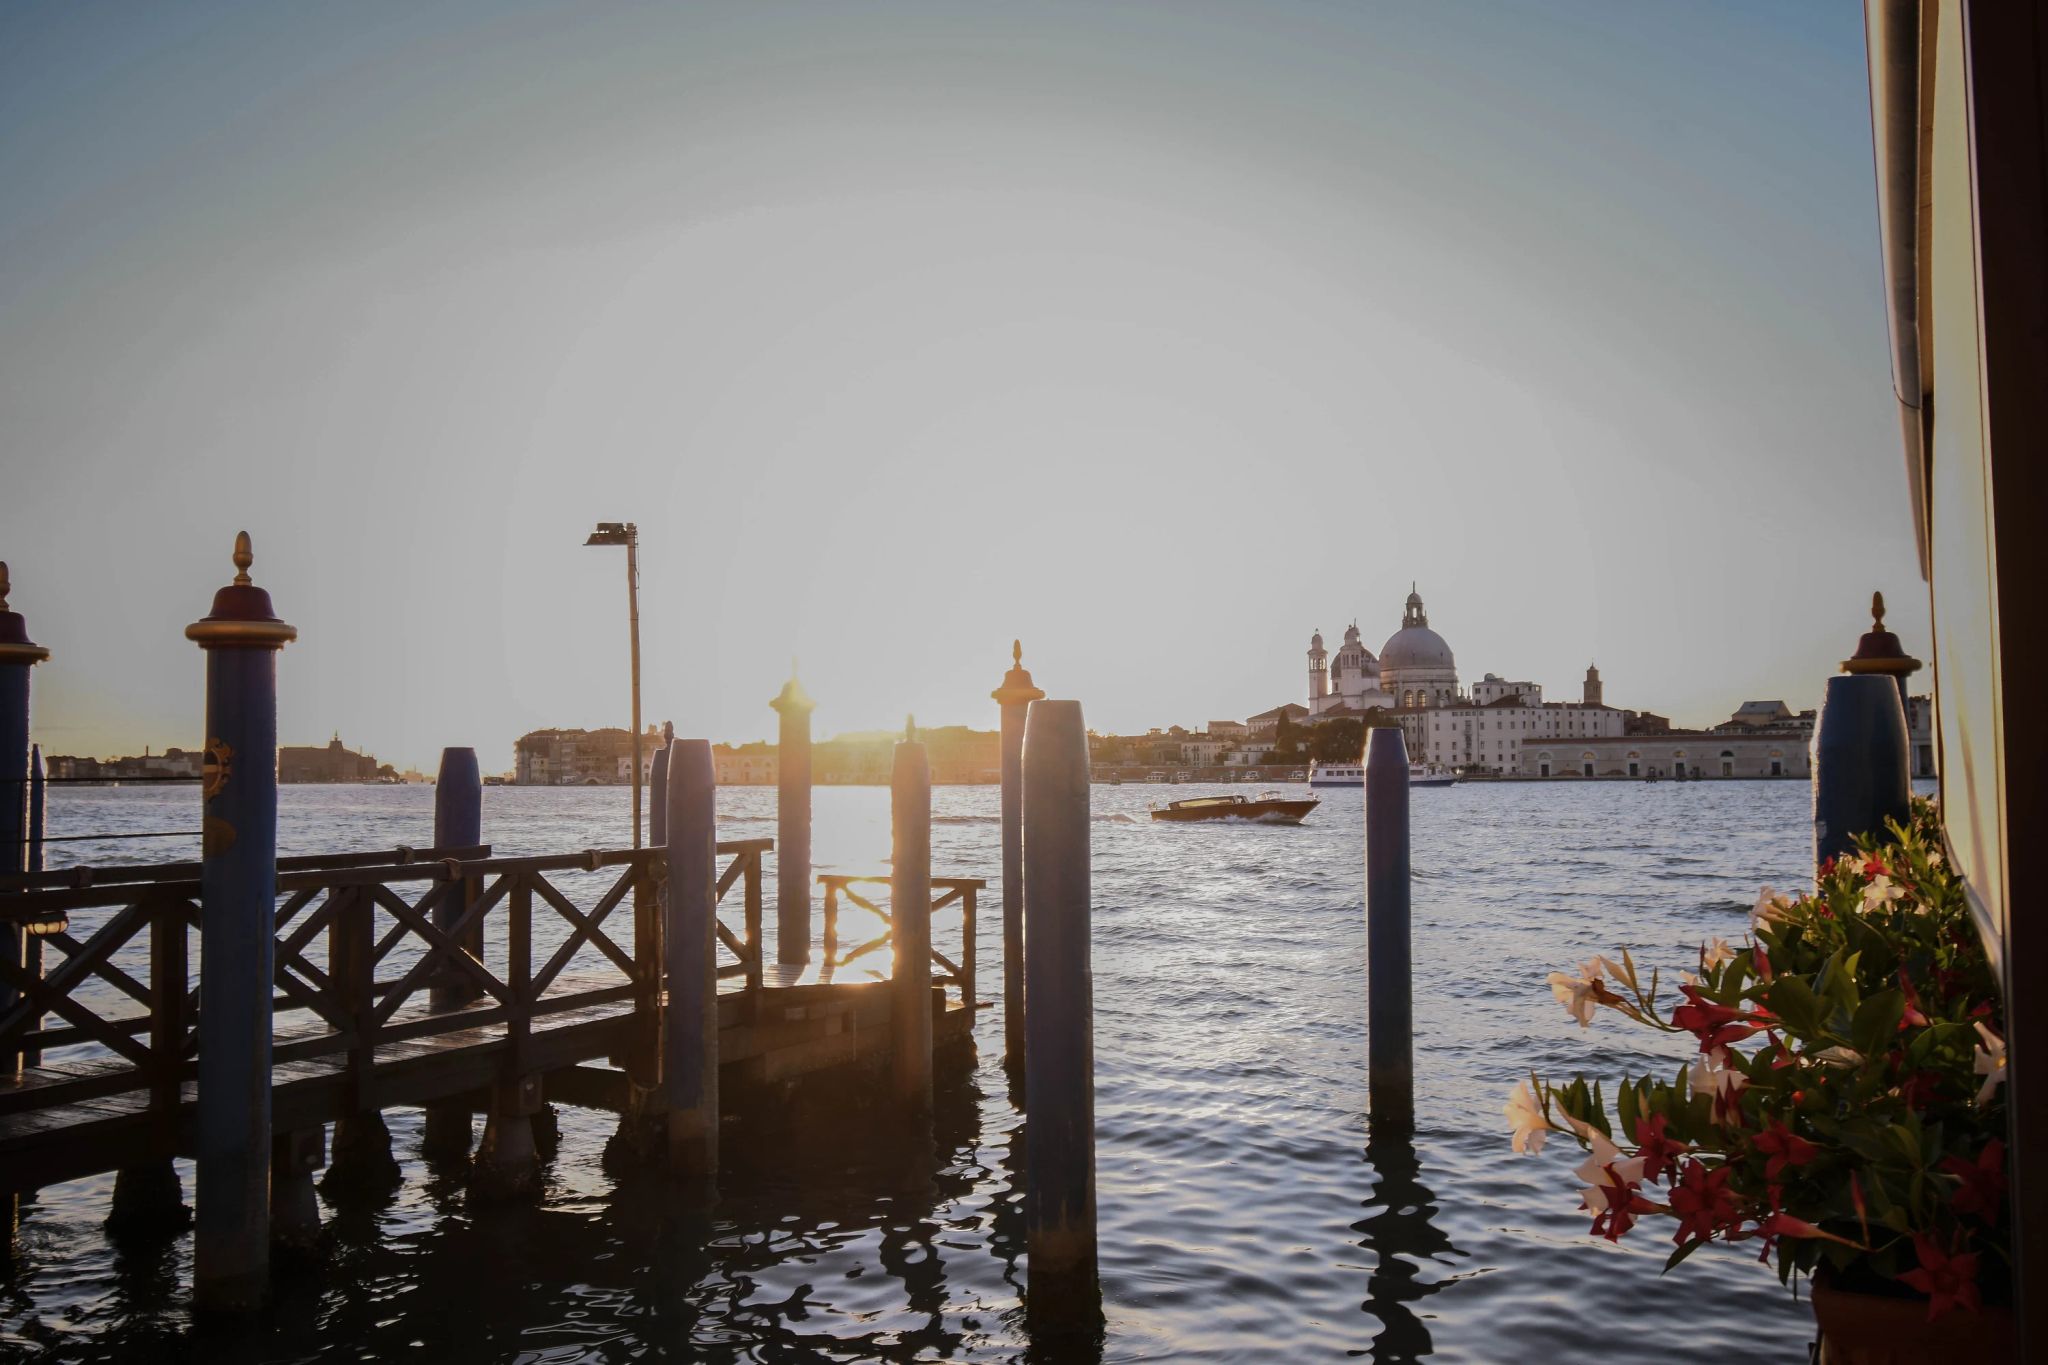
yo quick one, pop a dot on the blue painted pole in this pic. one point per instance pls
(1862, 762)
(458, 823)
(793, 823)
(18, 654)
(38, 812)
(910, 913)
(238, 897)
(1390, 1011)
(690, 1024)
(1014, 697)
(1059, 1045)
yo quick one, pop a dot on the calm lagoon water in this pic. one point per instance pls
(1246, 1212)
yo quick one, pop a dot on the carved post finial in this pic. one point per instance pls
(1016, 649)
(1877, 611)
(3, 585)
(244, 557)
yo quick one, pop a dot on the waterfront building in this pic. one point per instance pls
(173, 762)
(1417, 668)
(329, 762)
(581, 758)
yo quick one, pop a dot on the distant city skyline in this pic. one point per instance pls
(1157, 337)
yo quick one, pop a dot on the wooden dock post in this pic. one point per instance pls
(362, 1140)
(793, 823)
(294, 1208)
(657, 789)
(689, 1060)
(1059, 1050)
(910, 916)
(458, 823)
(18, 654)
(238, 894)
(1014, 697)
(1389, 1021)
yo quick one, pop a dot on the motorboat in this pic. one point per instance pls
(1267, 808)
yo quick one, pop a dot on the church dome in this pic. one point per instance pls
(1415, 645)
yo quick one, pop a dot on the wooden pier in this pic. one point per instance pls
(567, 996)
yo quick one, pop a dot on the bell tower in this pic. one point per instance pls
(1592, 693)
(1318, 670)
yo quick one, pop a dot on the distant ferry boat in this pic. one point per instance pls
(1353, 775)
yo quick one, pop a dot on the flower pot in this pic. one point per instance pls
(1869, 1329)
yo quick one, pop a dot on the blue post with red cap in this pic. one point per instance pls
(238, 907)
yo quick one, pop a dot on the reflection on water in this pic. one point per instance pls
(1397, 1232)
(1238, 1219)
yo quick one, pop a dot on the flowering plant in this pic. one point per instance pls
(1844, 1111)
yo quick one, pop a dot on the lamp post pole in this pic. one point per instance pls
(627, 534)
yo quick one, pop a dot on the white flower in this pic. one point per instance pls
(1603, 1170)
(1710, 1075)
(1990, 1062)
(1688, 979)
(1881, 892)
(1934, 858)
(1525, 1115)
(1770, 907)
(1716, 953)
(1839, 1056)
(1579, 994)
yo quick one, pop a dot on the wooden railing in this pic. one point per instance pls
(399, 964)
(946, 891)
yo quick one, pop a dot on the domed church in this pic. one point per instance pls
(1416, 667)
(1347, 680)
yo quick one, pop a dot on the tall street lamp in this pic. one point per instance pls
(628, 535)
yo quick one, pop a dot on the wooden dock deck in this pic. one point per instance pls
(426, 995)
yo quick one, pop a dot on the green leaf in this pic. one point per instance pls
(1793, 1001)
(1688, 1249)
(1876, 1020)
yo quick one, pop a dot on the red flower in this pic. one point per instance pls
(1920, 1089)
(1659, 1153)
(1702, 1202)
(1784, 1147)
(1873, 867)
(1947, 1281)
(1912, 1016)
(1623, 1204)
(1982, 1192)
(1827, 868)
(1715, 1025)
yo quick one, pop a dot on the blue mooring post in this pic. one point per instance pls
(1862, 761)
(18, 654)
(458, 823)
(1014, 696)
(1059, 1046)
(689, 1061)
(1390, 1010)
(910, 913)
(238, 906)
(1862, 750)
(793, 822)
(38, 813)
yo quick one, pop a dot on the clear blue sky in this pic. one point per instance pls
(1157, 335)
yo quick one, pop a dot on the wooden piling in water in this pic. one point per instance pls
(657, 790)
(910, 912)
(1014, 697)
(690, 1023)
(238, 893)
(294, 1207)
(1059, 1049)
(458, 823)
(1389, 1001)
(18, 654)
(793, 823)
